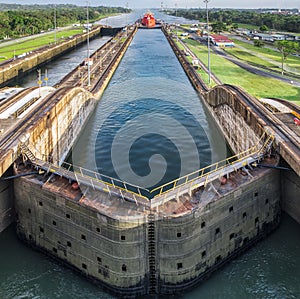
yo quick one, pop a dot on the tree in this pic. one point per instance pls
(258, 43)
(286, 48)
(235, 26)
(218, 27)
(264, 28)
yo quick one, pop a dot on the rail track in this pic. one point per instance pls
(283, 130)
(295, 109)
(5, 104)
(102, 60)
(15, 132)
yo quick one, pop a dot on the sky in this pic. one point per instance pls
(172, 3)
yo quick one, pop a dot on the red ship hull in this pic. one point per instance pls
(148, 20)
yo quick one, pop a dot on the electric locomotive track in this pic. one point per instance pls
(5, 104)
(34, 115)
(277, 125)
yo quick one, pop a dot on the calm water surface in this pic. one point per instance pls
(149, 127)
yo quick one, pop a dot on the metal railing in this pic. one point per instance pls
(107, 180)
(159, 195)
(22, 109)
(208, 170)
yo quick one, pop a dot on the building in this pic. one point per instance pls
(221, 41)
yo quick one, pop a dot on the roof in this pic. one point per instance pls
(220, 38)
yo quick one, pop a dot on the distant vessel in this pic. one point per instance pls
(148, 20)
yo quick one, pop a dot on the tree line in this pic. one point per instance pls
(21, 20)
(279, 22)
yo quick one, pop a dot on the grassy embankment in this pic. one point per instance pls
(229, 73)
(17, 48)
(264, 57)
(9, 51)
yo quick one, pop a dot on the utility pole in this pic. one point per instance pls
(88, 43)
(175, 22)
(55, 23)
(208, 42)
(46, 77)
(39, 81)
(126, 18)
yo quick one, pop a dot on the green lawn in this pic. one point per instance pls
(8, 51)
(291, 61)
(257, 86)
(248, 26)
(251, 58)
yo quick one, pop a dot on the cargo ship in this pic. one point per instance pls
(148, 20)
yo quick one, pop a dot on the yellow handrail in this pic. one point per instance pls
(257, 149)
(218, 165)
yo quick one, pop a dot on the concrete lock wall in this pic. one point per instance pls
(242, 129)
(237, 122)
(191, 246)
(101, 247)
(6, 202)
(19, 67)
(115, 252)
(55, 131)
(51, 137)
(290, 188)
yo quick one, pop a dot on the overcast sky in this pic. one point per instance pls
(172, 3)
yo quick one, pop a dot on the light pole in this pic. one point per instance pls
(88, 43)
(208, 42)
(55, 23)
(126, 18)
(39, 81)
(175, 22)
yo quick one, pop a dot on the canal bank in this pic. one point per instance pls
(242, 120)
(20, 66)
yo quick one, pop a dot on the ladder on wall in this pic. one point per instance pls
(152, 254)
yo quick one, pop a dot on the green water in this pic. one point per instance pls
(271, 269)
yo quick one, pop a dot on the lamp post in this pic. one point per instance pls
(208, 42)
(126, 18)
(88, 43)
(175, 22)
(55, 23)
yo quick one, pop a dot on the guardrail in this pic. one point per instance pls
(157, 196)
(206, 171)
